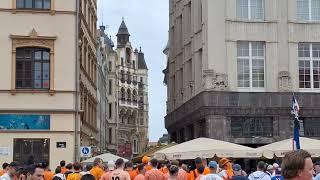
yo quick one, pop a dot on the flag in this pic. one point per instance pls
(296, 125)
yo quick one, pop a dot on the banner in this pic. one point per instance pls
(24, 122)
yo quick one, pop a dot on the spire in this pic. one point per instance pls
(122, 35)
(141, 61)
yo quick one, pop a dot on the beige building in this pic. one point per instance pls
(233, 65)
(132, 89)
(39, 66)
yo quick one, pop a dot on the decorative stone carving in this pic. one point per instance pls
(285, 83)
(214, 81)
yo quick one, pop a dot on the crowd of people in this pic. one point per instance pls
(296, 165)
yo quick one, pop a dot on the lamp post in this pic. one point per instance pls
(92, 143)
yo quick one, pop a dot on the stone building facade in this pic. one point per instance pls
(232, 67)
(132, 90)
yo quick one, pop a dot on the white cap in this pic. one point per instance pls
(111, 165)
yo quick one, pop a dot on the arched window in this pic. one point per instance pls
(129, 95)
(128, 55)
(123, 96)
(32, 68)
(135, 147)
(134, 95)
(129, 77)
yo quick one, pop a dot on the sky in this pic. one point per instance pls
(147, 22)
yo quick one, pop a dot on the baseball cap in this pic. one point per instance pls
(14, 165)
(111, 165)
(236, 167)
(213, 164)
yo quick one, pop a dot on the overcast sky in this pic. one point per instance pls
(147, 22)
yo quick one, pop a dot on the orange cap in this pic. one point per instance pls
(223, 161)
(145, 159)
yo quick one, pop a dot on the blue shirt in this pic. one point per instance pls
(277, 177)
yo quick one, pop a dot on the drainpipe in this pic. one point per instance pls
(77, 79)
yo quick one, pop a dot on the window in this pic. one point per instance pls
(134, 64)
(311, 126)
(110, 110)
(141, 121)
(33, 4)
(309, 65)
(135, 146)
(250, 65)
(110, 135)
(250, 9)
(248, 127)
(308, 10)
(122, 94)
(110, 66)
(141, 79)
(122, 63)
(110, 87)
(24, 148)
(32, 68)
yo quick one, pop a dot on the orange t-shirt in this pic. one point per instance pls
(182, 175)
(154, 174)
(63, 170)
(119, 174)
(2, 172)
(148, 167)
(164, 170)
(48, 175)
(132, 174)
(96, 172)
(106, 176)
(194, 174)
(139, 177)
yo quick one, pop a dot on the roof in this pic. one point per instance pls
(141, 61)
(123, 30)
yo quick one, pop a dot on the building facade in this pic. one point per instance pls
(111, 90)
(132, 90)
(37, 91)
(233, 65)
(48, 93)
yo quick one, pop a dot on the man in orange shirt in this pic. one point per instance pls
(48, 175)
(154, 173)
(194, 174)
(107, 175)
(142, 171)
(5, 167)
(129, 169)
(145, 161)
(97, 171)
(63, 166)
(119, 173)
(76, 173)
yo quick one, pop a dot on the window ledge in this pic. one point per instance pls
(304, 22)
(308, 90)
(250, 89)
(251, 20)
(32, 91)
(34, 11)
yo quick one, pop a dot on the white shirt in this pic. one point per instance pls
(259, 175)
(5, 177)
(211, 177)
(317, 177)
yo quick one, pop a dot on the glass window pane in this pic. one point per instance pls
(257, 9)
(20, 53)
(46, 71)
(46, 84)
(45, 55)
(47, 4)
(243, 48)
(20, 4)
(37, 83)
(316, 50)
(303, 10)
(38, 4)
(28, 3)
(315, 10)
(242, 9)
(304, 50)
(38, 55)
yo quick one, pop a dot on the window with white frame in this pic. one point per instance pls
(309, 65)
(135, 146)
(250, 9)
(308, 10)
(250, 64)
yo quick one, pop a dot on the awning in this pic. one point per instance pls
(206, 148)
(150, 152)
(280, 148)
(105, 158)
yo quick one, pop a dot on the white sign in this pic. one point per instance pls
(85, 151)
(4, 151)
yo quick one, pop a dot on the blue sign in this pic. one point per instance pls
(85, 150)
(24, 122)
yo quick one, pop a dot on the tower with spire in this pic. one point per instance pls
(122, 35)
(132, 87)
